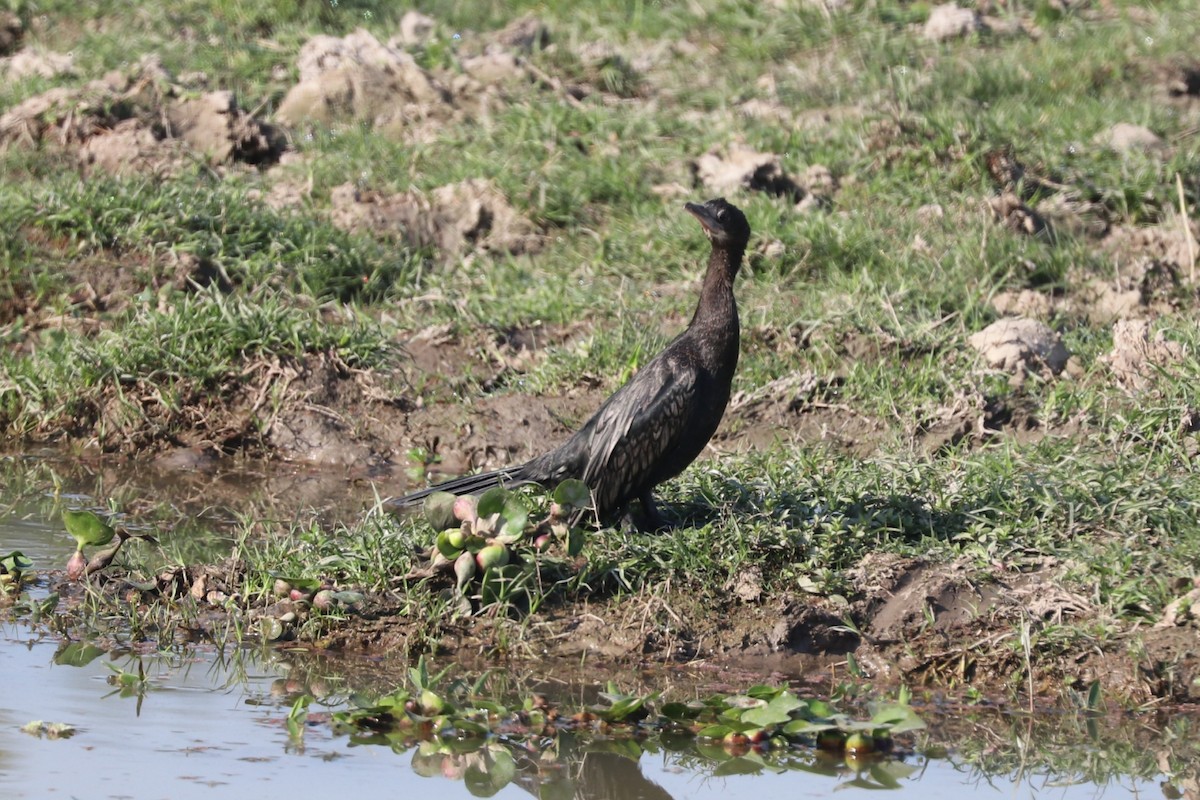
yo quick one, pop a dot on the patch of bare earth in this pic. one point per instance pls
(920, 623)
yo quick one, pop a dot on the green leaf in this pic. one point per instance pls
(714, 732)
(574, 541)
(801, 726)
(897, 719)
(87, 528)
(679, 712)
(492, 502)
(515, 515)
(439, 511)
(16, 562)
(503, 768)
(776, 712)
(573, 493)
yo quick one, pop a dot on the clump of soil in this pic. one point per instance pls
(358, 78)
(1146, 287)
(1021, 346)
(1125, 137)
(453, 219)
(1172, 242)
(141, 122)
(726, 171)
(1136, 356)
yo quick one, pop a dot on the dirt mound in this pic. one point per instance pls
(1147, 287)
(1136, 357)
(725, 171)
(1021, 346)
(1172, 242)
(141, 122)
(454, 219)
(358, 78)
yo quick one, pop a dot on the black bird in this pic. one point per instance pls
(655, 425)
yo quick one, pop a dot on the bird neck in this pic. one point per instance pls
(717, 305)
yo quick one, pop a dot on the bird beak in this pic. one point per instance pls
(706, 219)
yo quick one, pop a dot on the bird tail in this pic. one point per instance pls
(468, 484)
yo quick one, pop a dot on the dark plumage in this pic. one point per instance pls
(655, 425)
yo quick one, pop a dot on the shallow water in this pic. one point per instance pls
(207, 726)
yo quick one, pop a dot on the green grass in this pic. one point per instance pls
(1109, 491)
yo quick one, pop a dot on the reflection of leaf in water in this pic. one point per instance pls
(742, 765)
(78, 654)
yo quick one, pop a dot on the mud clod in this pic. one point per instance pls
(948, 21)
(141, 123)
(1021, 345)
(1136, 356)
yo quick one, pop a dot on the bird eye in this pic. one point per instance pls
(721, 214)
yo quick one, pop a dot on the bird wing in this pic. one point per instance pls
(637, 426)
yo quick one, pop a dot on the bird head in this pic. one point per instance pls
(724, 224)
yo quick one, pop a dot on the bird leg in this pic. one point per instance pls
(651, 519)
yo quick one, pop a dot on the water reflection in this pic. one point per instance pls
(199, 724)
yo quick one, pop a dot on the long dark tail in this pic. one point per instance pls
(468, 484)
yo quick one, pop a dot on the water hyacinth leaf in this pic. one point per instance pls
(714, 732)
(492, 502)
(16, 562)
(804, 726)
(897, 719)
(744, 701)
(627, 709)
(78, 654)
(679, 712)
(820, 708)
(574, 541)
(764, 692)
(439, 511)
(306, 584)
(776, 712)
(503, 767)
(884, 778)
(515, 515)
(87, 528)
(574, 493)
